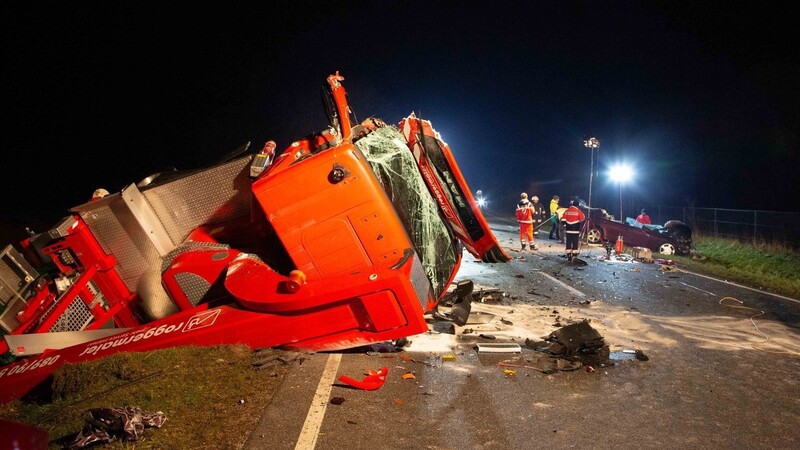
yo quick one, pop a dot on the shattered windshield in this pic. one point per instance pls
(388, 154)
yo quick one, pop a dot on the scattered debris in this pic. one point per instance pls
(641, 356)
(337, 400)
(408, 376)
(372, 381)
(449, 357)
(444, 327)
(536, 293)
(509, 372)
(498, 347)
(487, 336)
(491, 294)
(479, 317)
(104, 425)
(267, 358)
(457, 302)
(506, 321)
(578, 341)
(642, 254)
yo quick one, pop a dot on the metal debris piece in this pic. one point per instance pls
(126, 423)
(498, 347)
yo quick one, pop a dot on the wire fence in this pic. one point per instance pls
(747, 225)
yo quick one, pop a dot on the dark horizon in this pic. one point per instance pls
(701, 98)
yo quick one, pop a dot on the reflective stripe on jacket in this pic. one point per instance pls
(524, 212)
(572, 218)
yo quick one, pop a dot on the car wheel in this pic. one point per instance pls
(594, 236)
(666, 249)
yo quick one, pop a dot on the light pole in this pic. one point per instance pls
(621, 173)
(592, 143)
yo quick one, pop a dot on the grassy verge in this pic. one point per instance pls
(770, 267)
(211, 397)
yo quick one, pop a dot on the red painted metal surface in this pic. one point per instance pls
(323, 262)
(449, 188)
(374, 380)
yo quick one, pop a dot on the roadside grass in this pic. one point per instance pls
(211, 397)
(768, 266)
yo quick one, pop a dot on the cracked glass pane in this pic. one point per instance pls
(391, 160)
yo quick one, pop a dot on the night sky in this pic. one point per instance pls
(701, 98)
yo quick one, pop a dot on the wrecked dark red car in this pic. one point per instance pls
(672, 238)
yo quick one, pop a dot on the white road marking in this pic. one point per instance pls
(308, 435)
(695, 287)
(566, 286)
(743, 287)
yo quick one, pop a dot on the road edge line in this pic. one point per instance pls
(307, 439)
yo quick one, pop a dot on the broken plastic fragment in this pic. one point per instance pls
(408, 376)
(372, 381)
(509, 372)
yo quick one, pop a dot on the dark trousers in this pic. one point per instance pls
(555, 229)
(572, 241)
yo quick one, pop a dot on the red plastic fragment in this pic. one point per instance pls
(372, 381)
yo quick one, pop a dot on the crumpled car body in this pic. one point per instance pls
(672, 238)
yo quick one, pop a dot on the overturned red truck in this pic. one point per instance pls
(347, 237)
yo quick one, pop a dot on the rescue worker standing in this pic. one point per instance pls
(539, 216)
(555, 219)
(524, 216)
(573, 218)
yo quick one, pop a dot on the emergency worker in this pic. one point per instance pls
(524, 215)
(556, 221)
(539, 216)
(572, 219)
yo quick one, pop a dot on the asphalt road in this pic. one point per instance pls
(721, 368)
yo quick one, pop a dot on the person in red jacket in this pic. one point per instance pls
(643, 218)
(524, 215)
(572, 219)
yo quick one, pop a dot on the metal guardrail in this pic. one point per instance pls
(748, 225)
